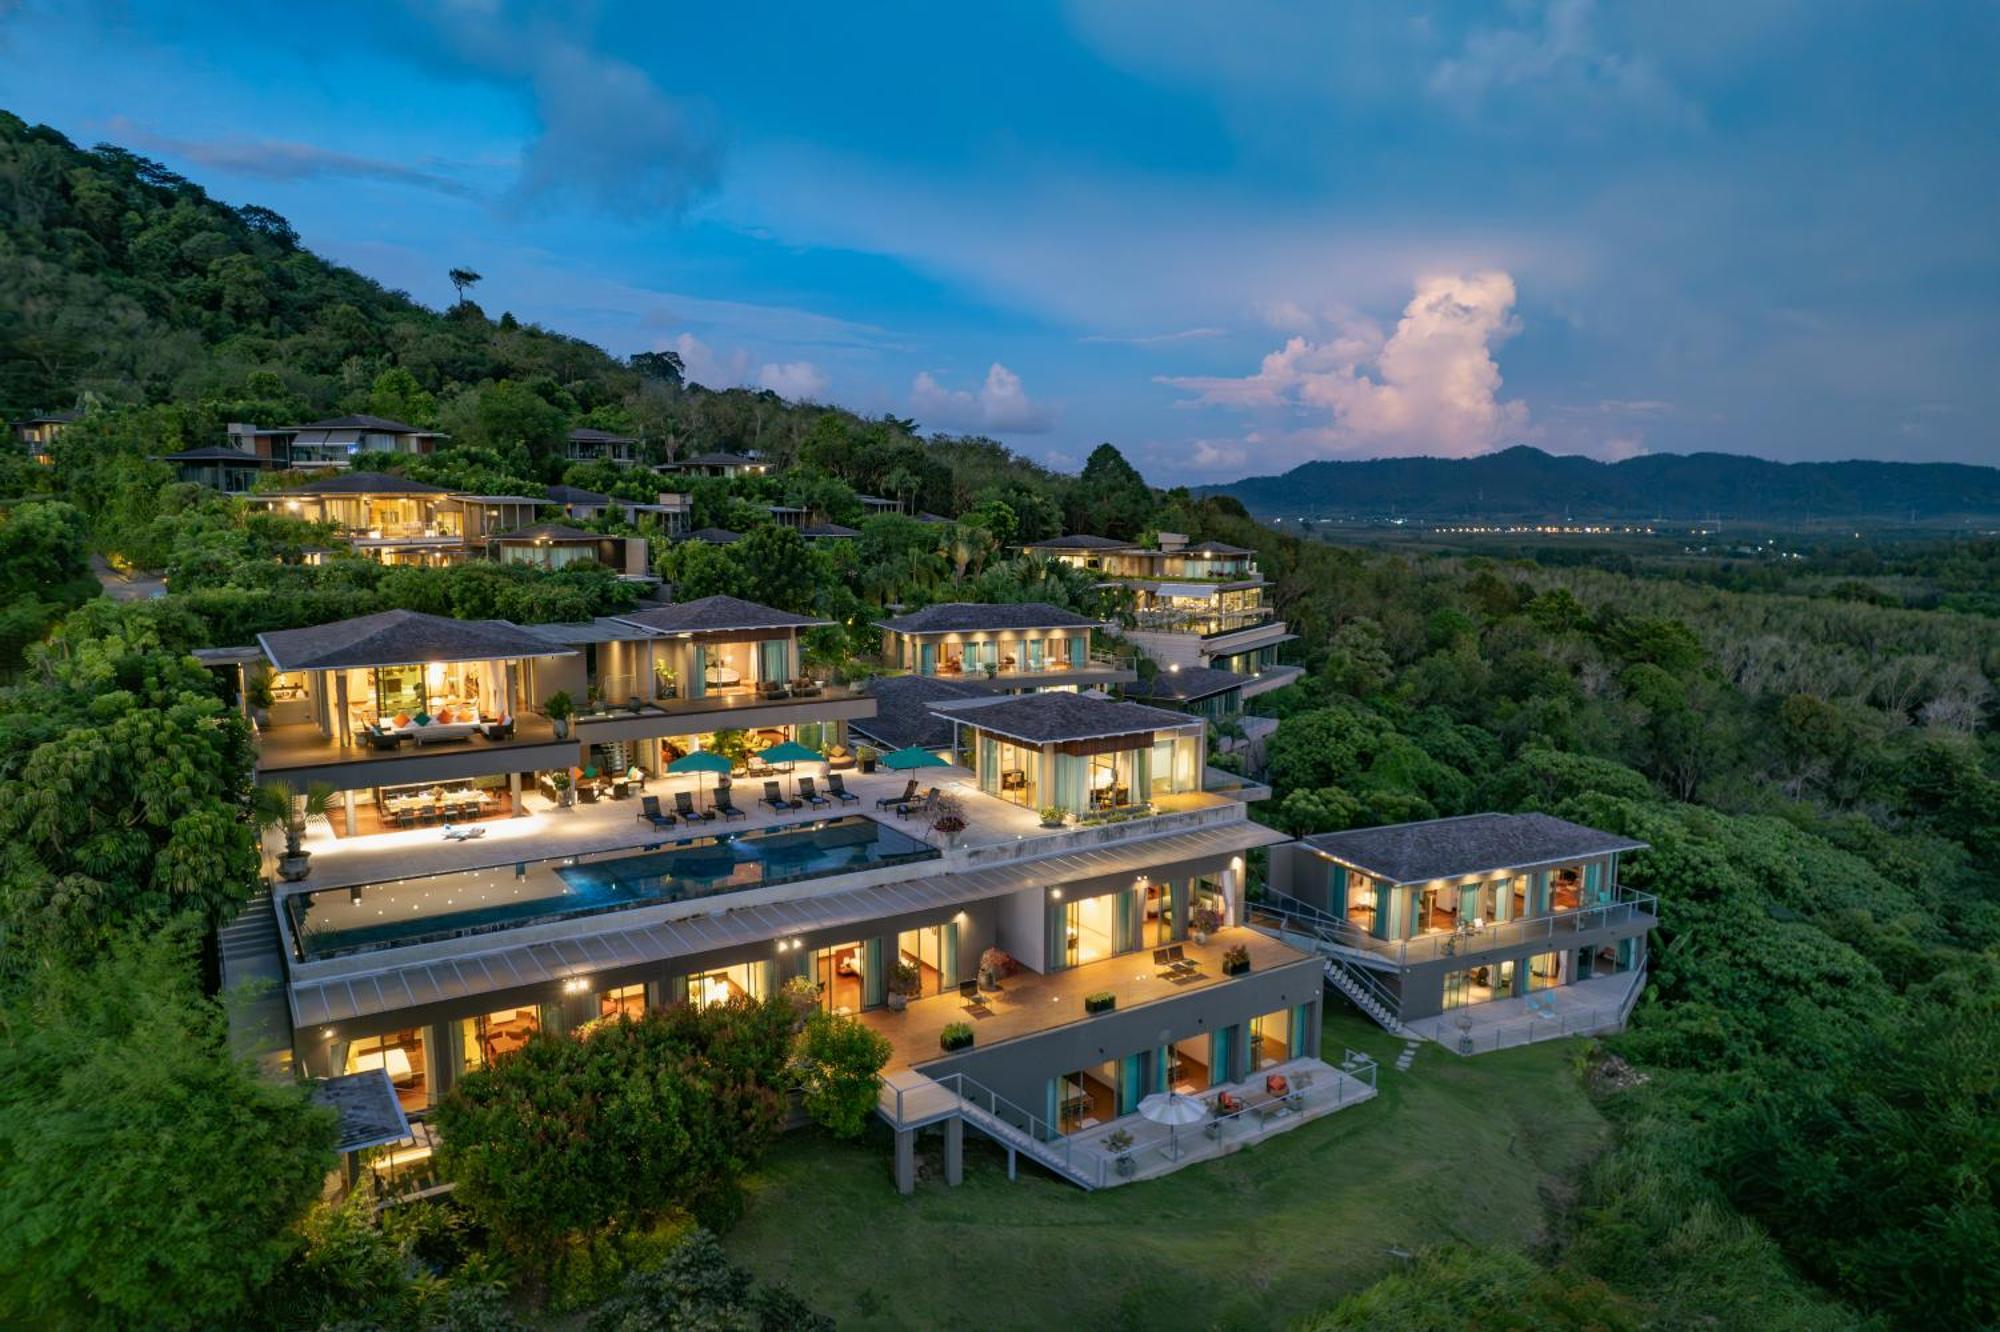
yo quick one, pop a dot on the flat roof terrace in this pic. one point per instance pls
(1031, 1003)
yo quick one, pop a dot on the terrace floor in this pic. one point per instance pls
(1586, 1007)
(1032, 1002)
(303, 746)
(546, 829)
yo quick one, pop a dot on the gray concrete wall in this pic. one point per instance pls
(1422, 987)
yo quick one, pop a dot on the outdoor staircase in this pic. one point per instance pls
(1301, 926)
(910, 1099)
(1367, 995)
(251, 951)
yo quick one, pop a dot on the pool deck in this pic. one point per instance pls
(544, 829)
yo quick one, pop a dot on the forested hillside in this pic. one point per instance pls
(1523, 483)
(1808, 1099)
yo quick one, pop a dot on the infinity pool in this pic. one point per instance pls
(338, 921)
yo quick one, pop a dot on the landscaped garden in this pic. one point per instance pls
(1455, 1149)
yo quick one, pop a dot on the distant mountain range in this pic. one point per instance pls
(1526, 484)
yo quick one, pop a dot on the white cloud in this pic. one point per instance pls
(1218, 454)
(1001, 404)
(708, 368)
(1157, 339)
(1430, 387)
(801, 381)
(1561, 54)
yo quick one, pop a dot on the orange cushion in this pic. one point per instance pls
(1276, 1084)
(402, 719)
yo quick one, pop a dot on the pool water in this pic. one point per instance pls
(338, 921)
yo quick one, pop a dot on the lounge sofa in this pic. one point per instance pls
(427, 730)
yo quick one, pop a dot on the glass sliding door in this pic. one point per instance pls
(928, 950)
(402, 1055)
(1087, 1098)
(1091, 928)
(841, 972)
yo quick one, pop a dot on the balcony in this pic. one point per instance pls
(1628, 909)
(1205, 624)
(303, 754)
(613, 716)
(1034, 1003)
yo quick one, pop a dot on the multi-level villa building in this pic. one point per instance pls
(716, 464)
(38, 434)
(398, 520)
(1192, 605)
(334, 442)
(1477, 932)
(1048, 925)
(1013, 647)
(585, 444)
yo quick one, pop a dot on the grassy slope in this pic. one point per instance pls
(1454, 1149)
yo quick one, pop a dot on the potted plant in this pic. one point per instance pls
(1119, 1143)
(1204, 922)
(948, 819)
(865, 757)
(905, 981)
(955, 1036)
(275, 806)
(1103, 1001)
(259, 696)
(1235, 960)
(1053, 816)
(559, 781)
(559, 707)
(994, 963)
(592, 699)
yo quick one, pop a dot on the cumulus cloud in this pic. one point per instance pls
(1001, 404)
(737, 368)
(1430, 387)
(798, 380)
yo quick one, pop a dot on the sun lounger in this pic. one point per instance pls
(776, 799)
(684, 806)
(810, 796)
(890, 802)
(836, 786)
(725, 807)
(650, 812)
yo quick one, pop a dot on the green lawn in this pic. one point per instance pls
(1453, 1149)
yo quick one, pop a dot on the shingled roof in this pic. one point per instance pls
(903, 715)
(1407, 853)
(972, 616)
(717, 614)
(589, 435)
(1186, 684)
(400, 638)
(1080, 541)
(549, 532)
(714, 536)
(379, 424)
(575, 495)
(367, 1112)
(1215, 548)
(1039, 719)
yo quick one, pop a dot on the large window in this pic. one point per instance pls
(841, 972)
(745, 980)
(401, 1054)
(494, 1035)
(1009, 770)
(625, 1001)
(929, 951)
(1087, 1098)
(1545, 971)
(1362, 900)
(1190, 1065)
(1090, 928)
(1270, 1039)
(1162, 927)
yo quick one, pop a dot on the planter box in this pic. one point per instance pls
(949, 1042)
(1235, 968)
(1099, 1003)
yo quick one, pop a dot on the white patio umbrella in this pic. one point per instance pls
(1173, 1110)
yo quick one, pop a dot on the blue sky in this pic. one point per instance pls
(1229, 238)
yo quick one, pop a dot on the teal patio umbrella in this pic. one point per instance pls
(902, 760)
(701, 760)
(789, 752)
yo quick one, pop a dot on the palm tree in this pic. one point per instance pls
(274, 805)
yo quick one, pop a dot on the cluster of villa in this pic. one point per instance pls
(1038, 892)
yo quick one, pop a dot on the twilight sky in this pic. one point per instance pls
(1229, 238)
